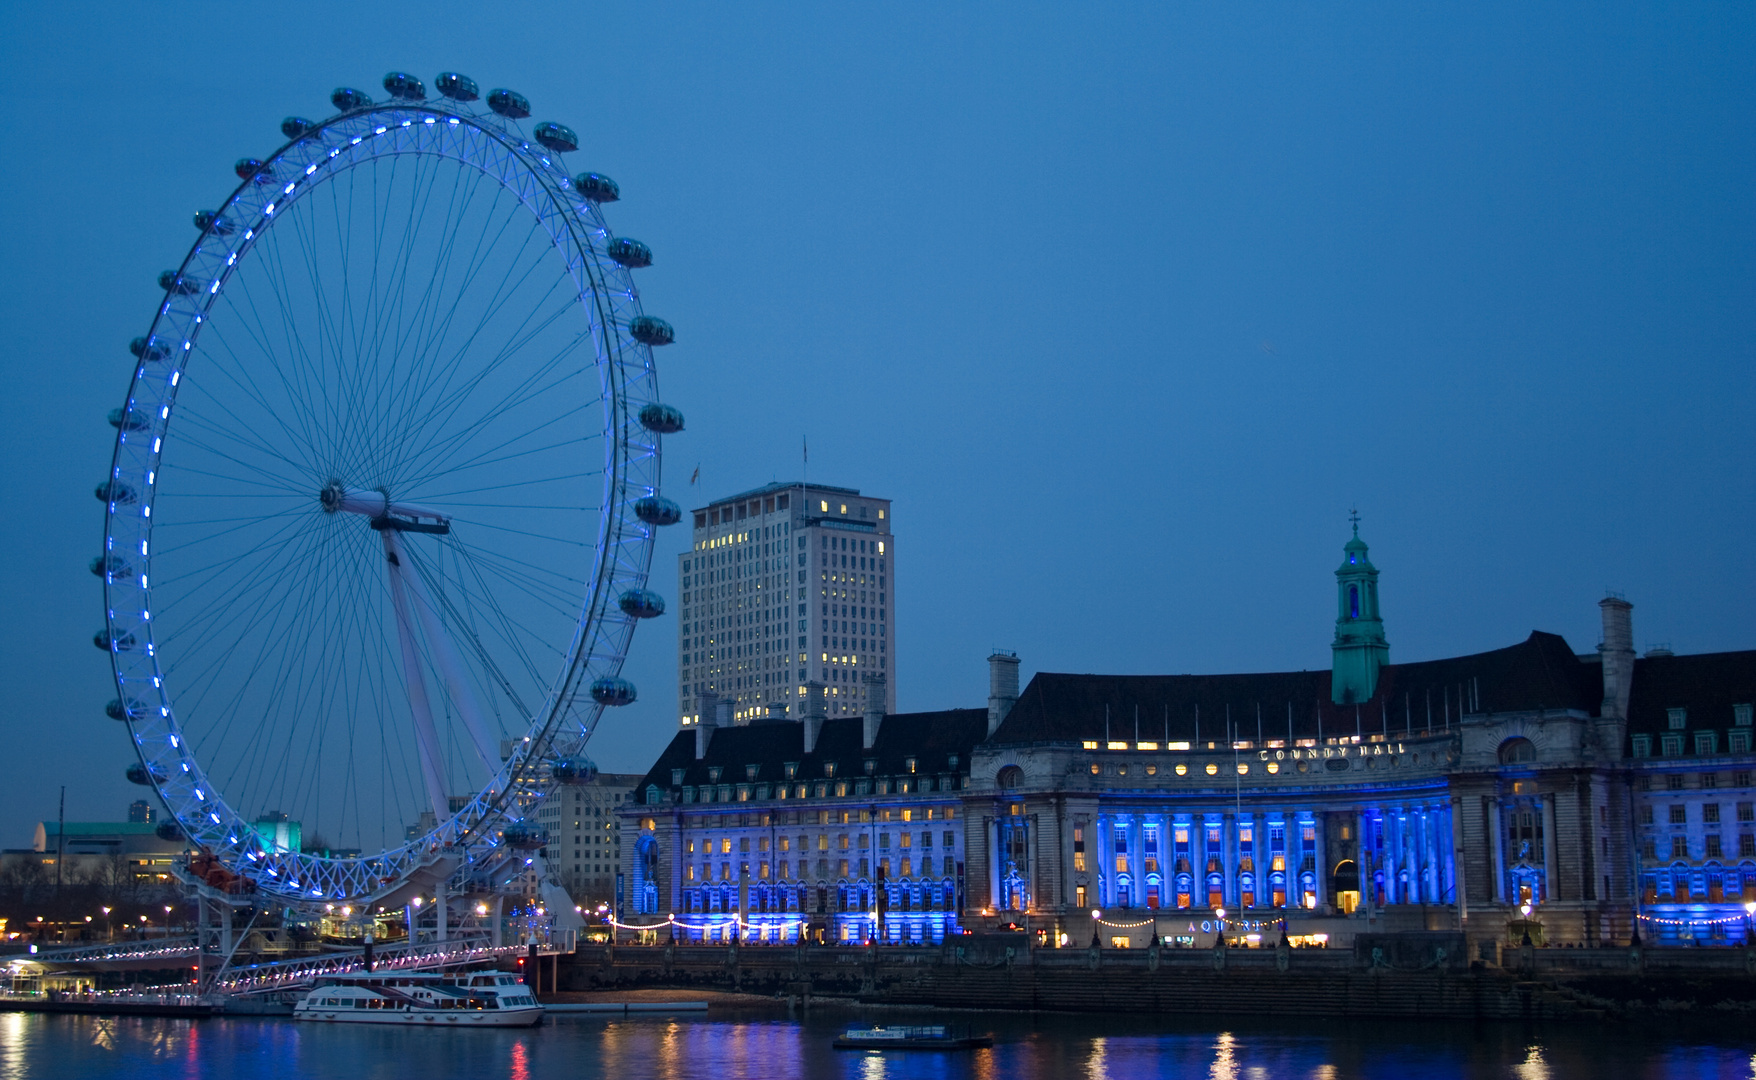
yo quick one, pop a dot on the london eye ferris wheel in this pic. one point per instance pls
(384, 493)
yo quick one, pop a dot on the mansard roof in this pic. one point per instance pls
(1540, 672)
(1706, 684)
(931, 738)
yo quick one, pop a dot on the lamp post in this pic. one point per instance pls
(107, 932)
(1095, 916)
(1749, 922)
(167, 920)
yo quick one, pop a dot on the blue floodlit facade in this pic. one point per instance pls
(837, 829)
(1579, 798)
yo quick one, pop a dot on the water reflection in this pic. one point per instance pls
(1026, 1048)
(1225, 1065)
(1533, 1067)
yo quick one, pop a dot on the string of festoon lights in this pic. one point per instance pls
(739, 921)
(1726, 921)
(1219, 916)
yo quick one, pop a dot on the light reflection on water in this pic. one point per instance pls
(1026, 1048)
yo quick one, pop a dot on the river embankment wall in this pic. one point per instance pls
(1424, 976)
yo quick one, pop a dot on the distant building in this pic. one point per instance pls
(121, 852)
(584, 847)
(786, 586)
(141, 812)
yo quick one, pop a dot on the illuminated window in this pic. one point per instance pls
(1182, 769)
(1212, 769)
(1146, 746)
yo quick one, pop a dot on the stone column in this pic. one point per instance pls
(1363, 860)
(1550, 878)
(1322, 861)
(1497, 864)
(1452, 842)
(1248, 821)
(1228, 859)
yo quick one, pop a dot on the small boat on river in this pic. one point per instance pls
(930, 1037)
(469, 999)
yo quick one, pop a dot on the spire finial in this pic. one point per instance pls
(1354, 516)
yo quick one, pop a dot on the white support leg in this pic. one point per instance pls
(449, 663)
(426, 735)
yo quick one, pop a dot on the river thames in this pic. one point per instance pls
(1047, 1047)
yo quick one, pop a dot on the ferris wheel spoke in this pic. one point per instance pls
(445, 406)
(477, 265)
(259, 551)
(482, 461)
(206, 427)
(438, 454)
(501, 625)
(242, 372)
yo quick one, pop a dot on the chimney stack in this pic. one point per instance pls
(1002, 686)
(1617, 655)
(816, 712)
(874, 711)
(708, 706)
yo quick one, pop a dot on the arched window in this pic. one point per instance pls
(1353, 601)
(1010, 778)
(1517, 751)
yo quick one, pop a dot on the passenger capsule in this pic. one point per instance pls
(596, 187)
(129, 420)
(657, 510)
(573, 770)
(630, 253)
(347, 99)
(557, 137)
(149, 349)
(662, 419)
(115, 710)
(457, 87)
(169, 831)
(212, 221)
(613, 691)
(114, 491)
(649, 330)
(509, 103)
(110, 565)
(523, 837)
(173, 282)
(294, 126)
(139, 774)
(254, 169)
(642, 604)
(405, 87)
(113, 640)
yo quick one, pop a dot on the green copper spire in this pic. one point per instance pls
(1360, 649)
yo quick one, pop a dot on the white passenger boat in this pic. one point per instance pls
(467, 999)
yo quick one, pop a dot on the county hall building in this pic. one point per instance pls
(1574, 796)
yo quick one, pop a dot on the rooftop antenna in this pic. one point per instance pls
(1106, 725)
(1137, 725)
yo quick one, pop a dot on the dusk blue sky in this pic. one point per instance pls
(1124, 306)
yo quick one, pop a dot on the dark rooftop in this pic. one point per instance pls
(930, 738)
(1707, 684)
(1540, 672)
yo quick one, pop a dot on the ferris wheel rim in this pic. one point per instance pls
(601, 632)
